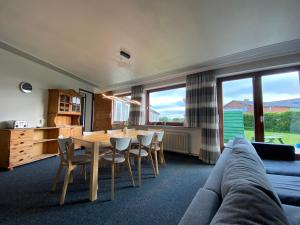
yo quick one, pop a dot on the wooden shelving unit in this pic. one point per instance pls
(64, 110)
(22, 146)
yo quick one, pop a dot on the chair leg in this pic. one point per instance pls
(57, 176)
(112, 181)
(161, 155)
(132, 161)
(152, 164)
(71, 177)
(66, 182)
(140, 171)
(156, 162)
(130, 172)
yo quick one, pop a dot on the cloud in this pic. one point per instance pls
(275, 87)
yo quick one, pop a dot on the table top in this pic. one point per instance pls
(105, 138)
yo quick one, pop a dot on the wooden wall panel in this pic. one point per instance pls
(102, 113)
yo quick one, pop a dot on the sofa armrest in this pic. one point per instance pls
(275, 151)
(202, 209)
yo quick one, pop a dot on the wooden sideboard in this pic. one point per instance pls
(22, 146)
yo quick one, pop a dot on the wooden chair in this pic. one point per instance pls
(160, 145)
(142, 151)
(157, 146)
(119, 155)
(70, 161)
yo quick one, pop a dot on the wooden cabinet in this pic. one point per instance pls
(70, 131)
(102, 112)
(21, 146)
(64, 108)
(67, 102)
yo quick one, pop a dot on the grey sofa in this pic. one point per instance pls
(238, 191)
(282, 169)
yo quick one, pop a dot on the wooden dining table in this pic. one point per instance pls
(97, 143)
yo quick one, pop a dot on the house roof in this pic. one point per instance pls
(289, 103)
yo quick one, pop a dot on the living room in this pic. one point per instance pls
(124, 112)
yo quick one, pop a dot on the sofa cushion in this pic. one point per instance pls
(248, 205)
(245, 167)
(287, 188)
(202, 209)
(292, 213)
(214, 180)
(275, 151)
(289, 168)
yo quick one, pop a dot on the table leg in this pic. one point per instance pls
(94, 172)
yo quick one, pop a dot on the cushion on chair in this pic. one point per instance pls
(119, 158)
(144, 152)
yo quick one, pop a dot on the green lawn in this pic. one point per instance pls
(288, 138)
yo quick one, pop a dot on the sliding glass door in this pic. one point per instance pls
(281, 107)
(262, 106)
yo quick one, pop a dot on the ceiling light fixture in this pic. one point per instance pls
(112, 97)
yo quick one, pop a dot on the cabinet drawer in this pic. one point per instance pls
(21, 134)
(16, 144)
(20, 151)
(16, 159)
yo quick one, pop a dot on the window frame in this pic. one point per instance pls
(178, 124)
(113, 108)
(257, 98)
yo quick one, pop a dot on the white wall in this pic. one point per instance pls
(32, 107)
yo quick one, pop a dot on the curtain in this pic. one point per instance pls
(136, 114)
(202, 112)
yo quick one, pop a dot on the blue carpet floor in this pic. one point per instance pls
(25, 196)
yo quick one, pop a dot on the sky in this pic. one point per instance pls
(275, 87)
(169, 103)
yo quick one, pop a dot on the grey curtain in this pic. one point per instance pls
(136, 114)
(202, 112)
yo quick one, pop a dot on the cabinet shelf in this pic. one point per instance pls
(44, 140)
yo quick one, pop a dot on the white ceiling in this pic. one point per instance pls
(84, 37)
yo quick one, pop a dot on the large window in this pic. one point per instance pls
(263, 106)
(121, 109)
(166, 106)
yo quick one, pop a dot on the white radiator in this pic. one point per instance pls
(176, 142)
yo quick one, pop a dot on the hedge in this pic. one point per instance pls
(277, 122)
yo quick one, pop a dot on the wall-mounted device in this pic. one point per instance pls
(125, 54)
(12, 124)
(25, 87)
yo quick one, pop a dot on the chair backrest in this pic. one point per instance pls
(159, 136)
(63, 147)
(85, 133)
(114, 131)
(120, 144)
(145, 140)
